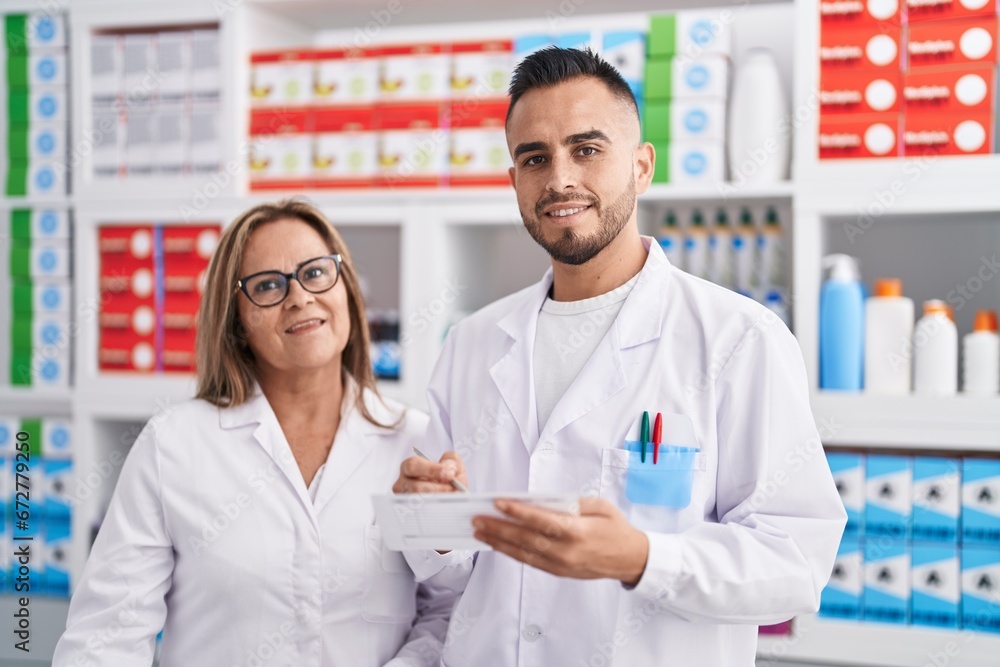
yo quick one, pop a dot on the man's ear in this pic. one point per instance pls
(644, 162)
(510, 175)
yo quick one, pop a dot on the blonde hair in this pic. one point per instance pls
(225, 365)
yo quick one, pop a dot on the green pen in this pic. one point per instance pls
(645, 434)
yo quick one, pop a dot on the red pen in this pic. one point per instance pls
(657, 436)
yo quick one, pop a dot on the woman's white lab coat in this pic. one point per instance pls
(753, 544)
(211, 535)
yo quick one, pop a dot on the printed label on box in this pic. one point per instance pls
(937, 499)
(861, 48)
(887, 581)
(842, 596)
(952, 42)
(935, 10)
(937, 585)
(981, 501)
(421, 72)
(859, 91)
(697, 161)
(981, 588)
(850, 13)
(861, 136)
(346, 76)
(952, 133)
(849, 475)
(279, 79)
(955, 88)
(889, 495)
(481, 69)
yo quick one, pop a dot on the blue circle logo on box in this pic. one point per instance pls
(47, 106)
(50, 370)
(46, 68)
(45, 179)
(45, 29)
(49, 222)
(695, 163)
(59, 437)
(696, 120)
(51, 298)
(697, 76)
(47, 260)
(46, 143)
(702, 33)
(50, 334)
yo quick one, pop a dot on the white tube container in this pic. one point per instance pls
(696, 247)
(744, 240)
(888, 339)
(935, 346)
(981, 356)
(758, 148)
(720, 268)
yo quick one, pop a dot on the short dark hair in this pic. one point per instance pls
(552, 65)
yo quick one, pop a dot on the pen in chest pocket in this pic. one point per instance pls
(644, 436)
(657, 436)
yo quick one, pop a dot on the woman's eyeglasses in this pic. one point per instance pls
(269, 288)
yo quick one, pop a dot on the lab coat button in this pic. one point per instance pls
(531, 633)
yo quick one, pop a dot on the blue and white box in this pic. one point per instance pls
(937, 585)
(57, 438)
(58, 477)
(981, 588)
(889, 506)
(626, 50)
(981, 501)
(525, 45)
(697, 162)
(937, 498)
(57, 579)
(843, 594)
(46, 31)
(887, 580)
(580, 39)
(849, 475)
(51, 296)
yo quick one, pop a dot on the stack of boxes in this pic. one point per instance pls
(35, 297)
(34, 161)
(922, 544)
(412, 115)
(686, 88)
(46, 474)
(907, 81)
(151, 279)
(155, 103)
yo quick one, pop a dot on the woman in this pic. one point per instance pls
(242, 523)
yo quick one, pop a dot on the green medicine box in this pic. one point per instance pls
(663, 35)
(661, 171)
(658, 81)
(656, 121)
(16, 33)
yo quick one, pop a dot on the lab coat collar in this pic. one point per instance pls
(352, 444)
(639, 321)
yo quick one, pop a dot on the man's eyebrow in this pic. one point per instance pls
(530, 146)
(586, 136)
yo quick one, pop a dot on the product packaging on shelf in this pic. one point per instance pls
(848, 470)
(937, 498)
(981, 501)
(889, 506)
(850, 14)
(862, 91)
(283, 78)
(419, 72)
(862, 135)
(678, 78)
(481, 69)
(887, 581)
(936, 43)
(861, 48)
(936, 584)
(413, 147)
(948, 133)
(980, 592)
(346, 76)
(842, 596)
(935, 10)
(478, 153)
(691, 34)
(345, 147)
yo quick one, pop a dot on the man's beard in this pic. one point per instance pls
(572, 248)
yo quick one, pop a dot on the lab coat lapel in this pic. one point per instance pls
(639, 321)
(268, 434)
(512, 372)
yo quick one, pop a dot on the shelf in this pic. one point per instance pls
(959, 422)
(718, 192)
(35, 200)
(866, 644)
(40, 402)
(134, 396)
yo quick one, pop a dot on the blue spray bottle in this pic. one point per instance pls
(841, 325)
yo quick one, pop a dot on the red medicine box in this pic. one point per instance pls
(955, 133)
(935, 10)
(859, 136)
(861, 48)
(839, 14)
(860, 91)
(936, 43)
(950, 88)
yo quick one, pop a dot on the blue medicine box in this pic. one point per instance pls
(937, 585)
(937, 499)
(887, 581)
(981, 588)
(842, 596)
(981, 501)
(849, 475)
(889, 506)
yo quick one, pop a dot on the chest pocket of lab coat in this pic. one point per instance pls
(679, 476)
(389, 589)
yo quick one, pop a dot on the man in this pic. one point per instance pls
(676, 561)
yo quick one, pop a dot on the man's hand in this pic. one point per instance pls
(418, 475)
(599, 543)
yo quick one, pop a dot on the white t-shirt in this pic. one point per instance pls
(568, 333)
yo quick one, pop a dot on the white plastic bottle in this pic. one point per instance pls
(758, 150)
(888, 337)
(770, 254)
(744, 240)
(671, 239)
(720, 269)
(935, 351)
(981, 356)
(696, 246)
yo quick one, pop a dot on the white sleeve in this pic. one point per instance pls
(118, 607)
(436, 599)
(780, 517)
